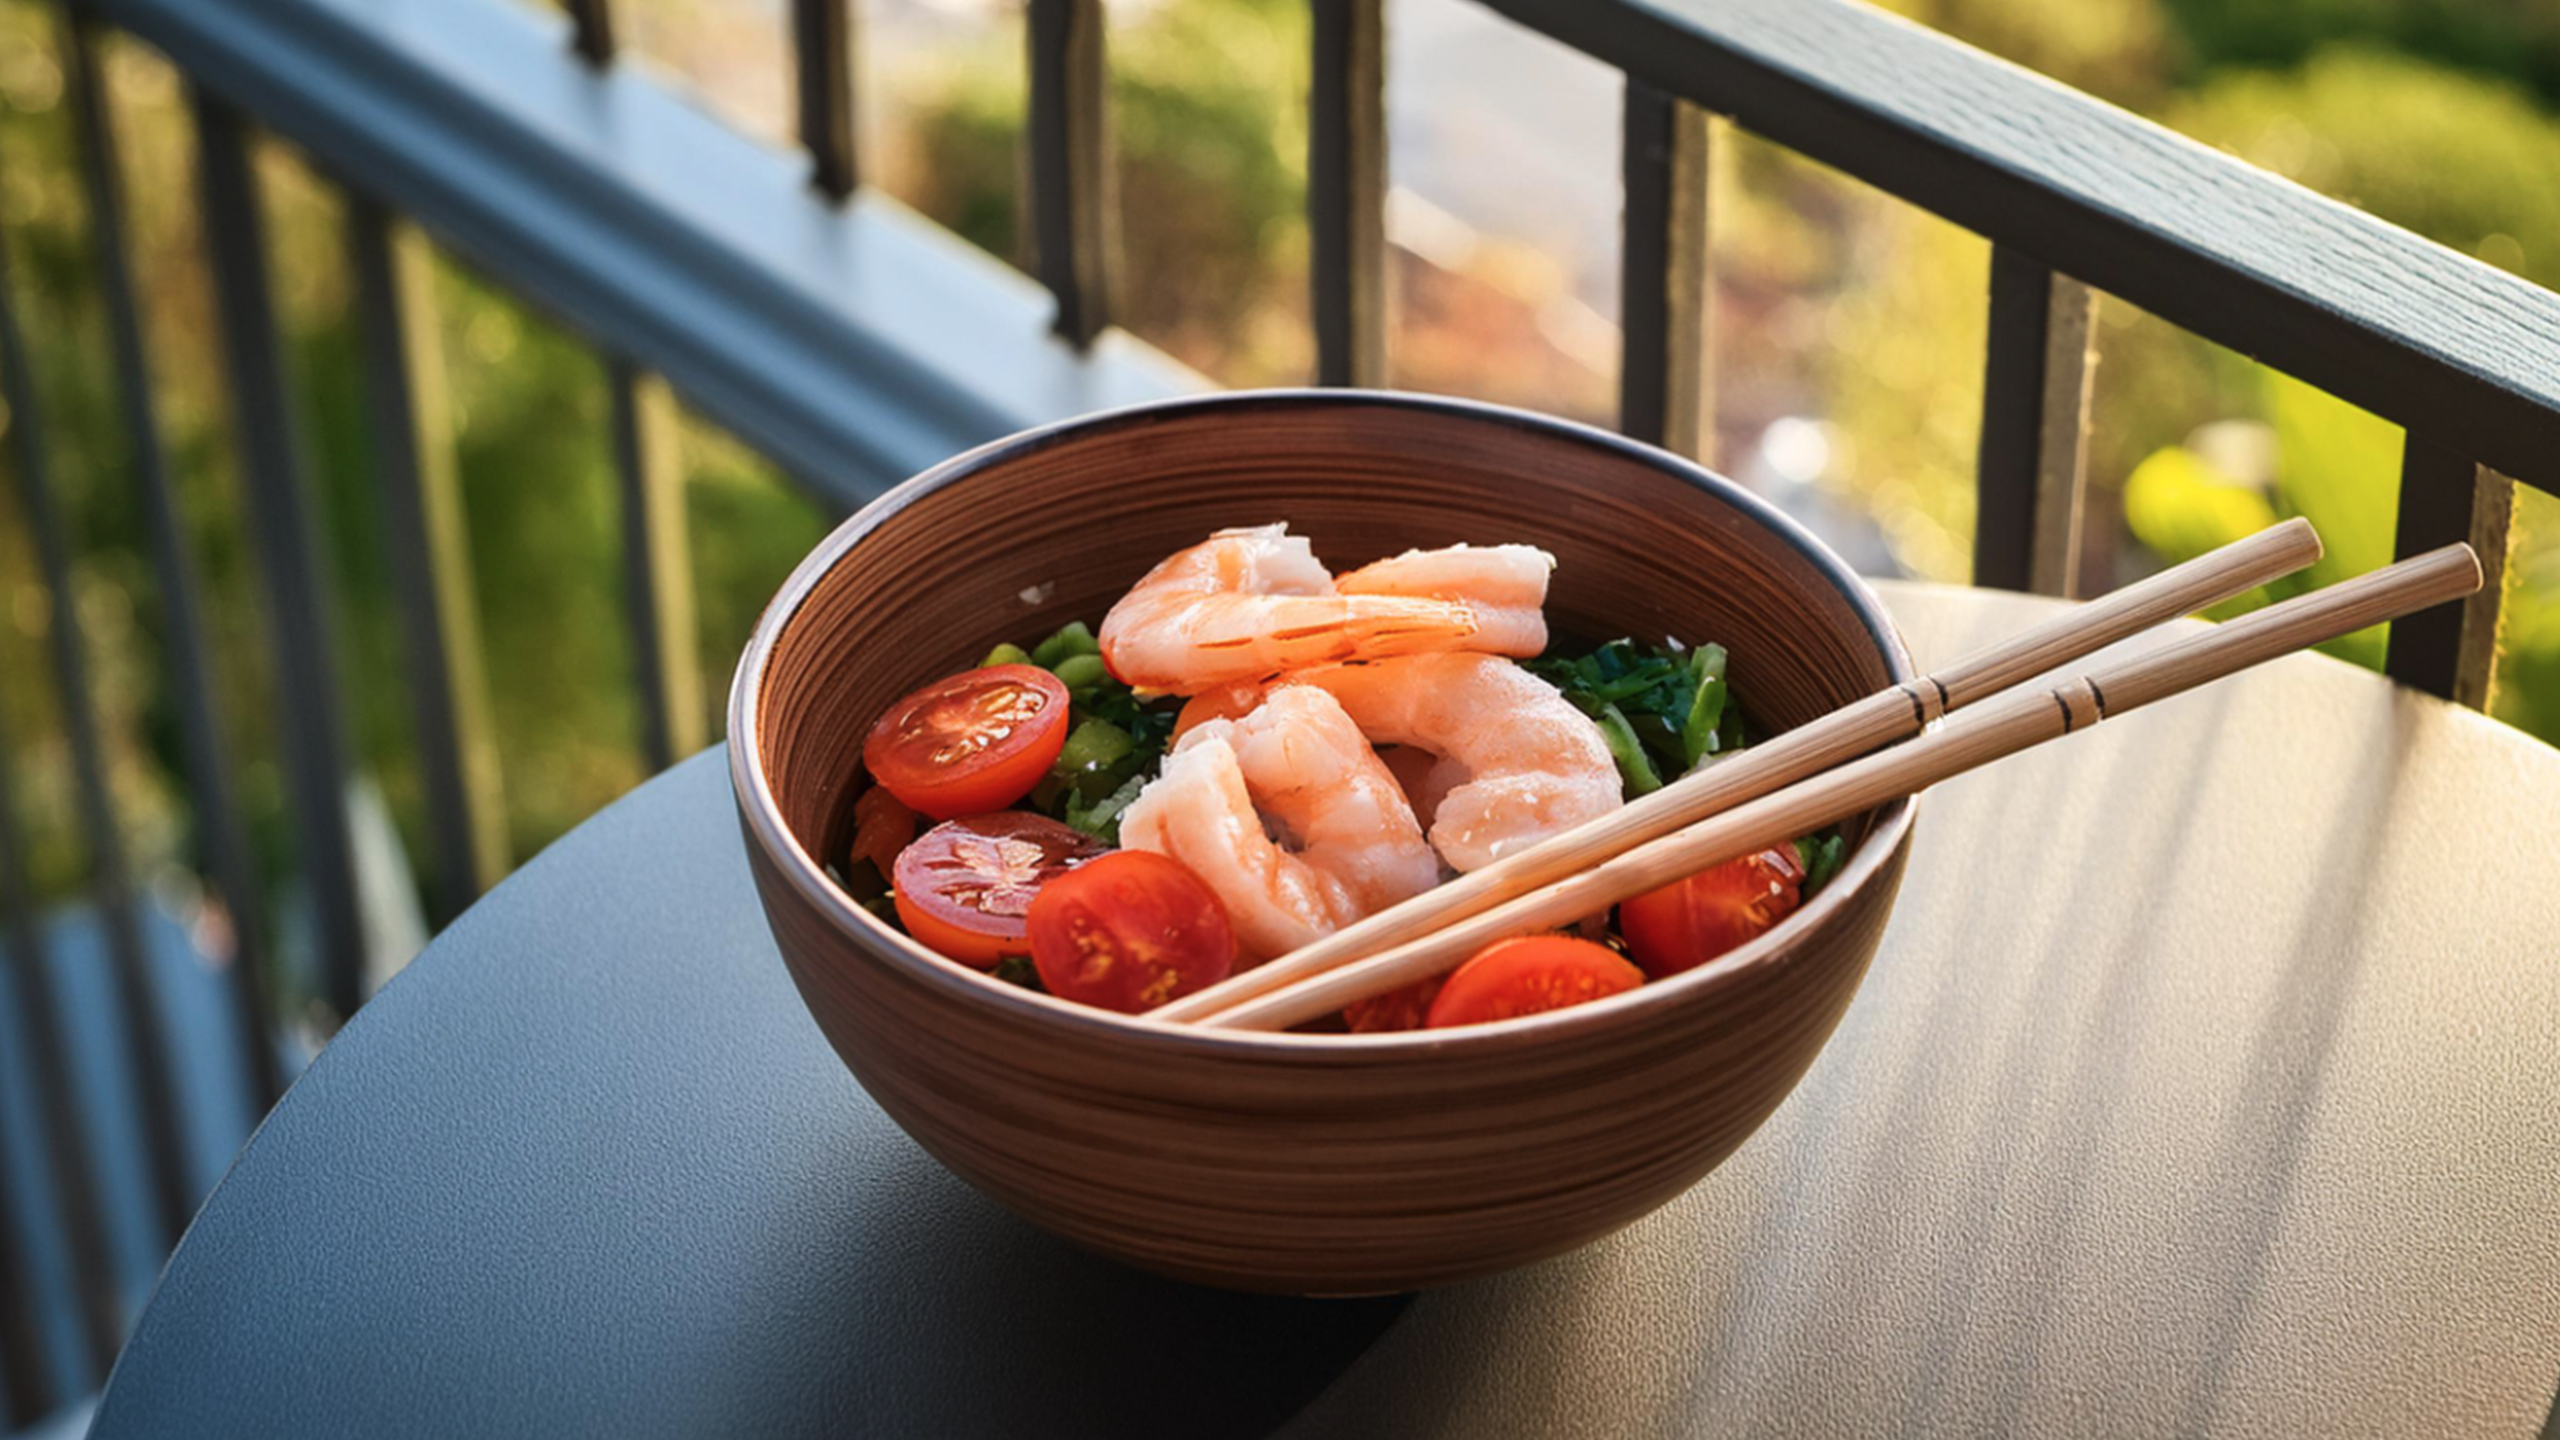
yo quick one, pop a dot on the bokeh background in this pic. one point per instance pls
(1848, 338)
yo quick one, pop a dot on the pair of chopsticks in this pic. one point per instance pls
(1832, 768)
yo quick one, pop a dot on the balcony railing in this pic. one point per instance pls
(854, 343)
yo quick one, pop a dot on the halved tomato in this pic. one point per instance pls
(970, 742)
(1129, 932)
(1528, 975)
(1689, 922)
(965, 886)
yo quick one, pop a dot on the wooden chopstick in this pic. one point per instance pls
(1997, 730)
(1853, 730)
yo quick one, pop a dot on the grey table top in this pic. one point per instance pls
(2208, 1081)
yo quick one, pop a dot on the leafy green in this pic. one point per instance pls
(1016, 970)
(1006, 654)
(1662, 710)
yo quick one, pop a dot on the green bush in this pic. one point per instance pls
(2517, 39)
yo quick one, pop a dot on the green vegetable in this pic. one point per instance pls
(1016, 970)
(1821, 857)
(1092, 746)
(1101, 819)
(1707, 697)
(1635, 772)
(1006, 655)
(1671, 708)
(1072, 639)
(1082, 672)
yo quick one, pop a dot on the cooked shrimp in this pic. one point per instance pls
(1296, 765)
(1503, 586)
(1424, 776)
(1246, 604)
(1527, 764)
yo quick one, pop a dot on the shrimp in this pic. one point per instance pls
(1503, 586)
(1517, 762)
(1350, 845)
(1246, 604)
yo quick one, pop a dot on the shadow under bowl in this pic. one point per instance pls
(1304, 1164)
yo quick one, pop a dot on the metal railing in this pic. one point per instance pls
(854, 343)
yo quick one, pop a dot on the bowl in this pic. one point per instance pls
(1297, 1163)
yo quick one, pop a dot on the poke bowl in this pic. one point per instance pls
(1304, 1163)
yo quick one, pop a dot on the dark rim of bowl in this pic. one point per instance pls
(808, 877)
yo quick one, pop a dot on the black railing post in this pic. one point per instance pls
(2035, 432)
(146, 1043)
(25, 1395)
(66, 1140)
(288, 545)
(657, 575)
(1347, 191)
(1665, 296)
(1071, 179)
(222, 841)
(2451, 649)
(429, 552)
(591, 29)
(822, 38)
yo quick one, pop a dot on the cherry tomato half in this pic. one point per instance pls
(1687, 923)
(1530, 974)
(971, 742)
(1404, 1009)
(1129, 932)
(965, 886)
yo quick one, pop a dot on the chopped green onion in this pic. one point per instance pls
(1634, 770)
(1092, 746)
(1729, 731)
(1072, 639)
(1698, 733)
(1081, 672)
(1007, 654)
(1102, 819)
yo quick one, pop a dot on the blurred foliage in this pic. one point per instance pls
(528, 418)
(2463, 160)
(2517, 40)
(1834, 302)
(1209, 127)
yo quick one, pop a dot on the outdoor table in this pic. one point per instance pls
(2208, 1080)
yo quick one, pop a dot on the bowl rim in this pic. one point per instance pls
(806, 876)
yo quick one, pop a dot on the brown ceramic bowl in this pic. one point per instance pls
(1311, 1164)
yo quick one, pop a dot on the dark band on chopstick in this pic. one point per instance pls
(1922, 710)
(2065, 707)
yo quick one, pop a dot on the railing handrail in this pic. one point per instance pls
(661, 231)
(2372, 313)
